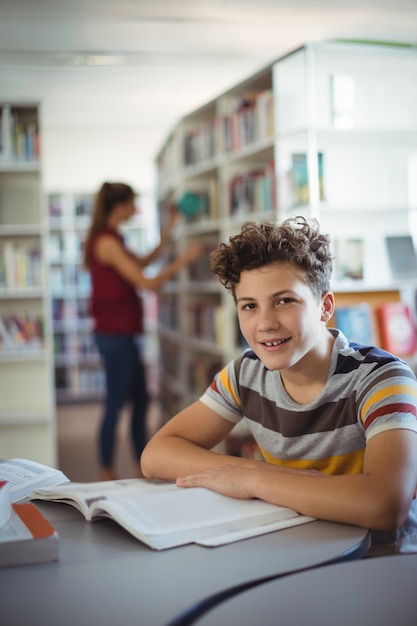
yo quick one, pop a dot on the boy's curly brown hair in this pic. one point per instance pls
(296, 241)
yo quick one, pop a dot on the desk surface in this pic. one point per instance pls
(105, 576)
(379, 591)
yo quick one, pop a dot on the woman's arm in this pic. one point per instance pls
(165, 237)
(111, 252)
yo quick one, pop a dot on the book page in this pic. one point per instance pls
(24, 476)
(83, 495)
(179, 516)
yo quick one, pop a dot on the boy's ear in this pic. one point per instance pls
(327, 306)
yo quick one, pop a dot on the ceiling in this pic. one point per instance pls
(150, 62)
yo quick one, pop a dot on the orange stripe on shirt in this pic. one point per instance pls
(225, 380)
(384, 393)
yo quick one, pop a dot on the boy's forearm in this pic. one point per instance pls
(171, 457)
(351, 499)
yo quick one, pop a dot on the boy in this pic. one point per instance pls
(335, 422)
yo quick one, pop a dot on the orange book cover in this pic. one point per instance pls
(27, 538)
(398, 331)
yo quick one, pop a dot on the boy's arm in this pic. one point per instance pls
(183, 445)
(379, 498)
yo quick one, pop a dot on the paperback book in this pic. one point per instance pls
(24, 476)
(397, 327)
(355, 322)
(27, 537)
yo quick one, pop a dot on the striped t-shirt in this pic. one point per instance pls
(367, 391)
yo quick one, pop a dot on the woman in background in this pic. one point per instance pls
(116, 276)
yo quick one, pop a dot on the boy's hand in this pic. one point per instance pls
(227, 480)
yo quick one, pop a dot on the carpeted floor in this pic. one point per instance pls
(77, 431)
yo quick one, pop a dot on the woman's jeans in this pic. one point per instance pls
(125, 381)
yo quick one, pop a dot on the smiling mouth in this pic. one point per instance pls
(270, 344)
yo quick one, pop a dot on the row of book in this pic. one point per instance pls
(80, 345)
(70, 206)
(253, 191)
(69, 277)
(73, 382)
(169, 356)
(393, 321)
(244, 120)
(200, 203)
(205, 321)
(70, 310)
(21, 333)
(199, 270)
(20, 265)
(19, 135)
(248, 119)
(65, 245)
(250, 191)
(168, 311)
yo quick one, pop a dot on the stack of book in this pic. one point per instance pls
(26, 536)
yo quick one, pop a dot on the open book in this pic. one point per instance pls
(162, 515)
(24, 476)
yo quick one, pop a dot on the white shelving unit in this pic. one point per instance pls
(79, 376)
(78, 372)
(327, 131)
(27, 405)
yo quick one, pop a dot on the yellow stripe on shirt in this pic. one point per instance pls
(351, 463)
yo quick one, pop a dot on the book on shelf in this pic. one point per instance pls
(200, 203)
(21, 333)
(27, 537)
(20, 265)
(243, 120)
(199, 269)
(253, 191)
(349, 258)
(199, 144)
(401, 256)
(19, 134)
(299, 178)
(162, 515)
(355, 322)
(25, 475)
(398, 331)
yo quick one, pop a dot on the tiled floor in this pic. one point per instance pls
(77, 431)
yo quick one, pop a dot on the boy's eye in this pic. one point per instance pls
(248, 307)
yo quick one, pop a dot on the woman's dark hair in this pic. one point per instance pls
(108, 196)
(296, 241)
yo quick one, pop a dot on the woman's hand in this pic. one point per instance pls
(192, 252)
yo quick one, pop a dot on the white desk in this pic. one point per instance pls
(105, 576)
(380, 591)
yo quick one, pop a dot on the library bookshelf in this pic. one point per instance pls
(328, 131)
(79, 375)
(27, 404)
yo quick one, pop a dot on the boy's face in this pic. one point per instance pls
(279, 316)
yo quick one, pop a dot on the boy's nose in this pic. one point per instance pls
(268, 321)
